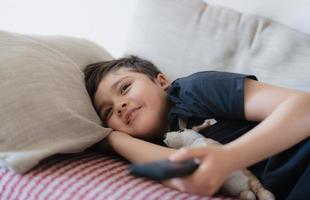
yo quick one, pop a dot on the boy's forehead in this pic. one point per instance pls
(114, 76)
(119, 73)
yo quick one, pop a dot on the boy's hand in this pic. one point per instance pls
(216, 164)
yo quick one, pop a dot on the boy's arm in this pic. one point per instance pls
(136, 150)
(285, 116)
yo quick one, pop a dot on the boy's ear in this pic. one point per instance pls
(163, 81)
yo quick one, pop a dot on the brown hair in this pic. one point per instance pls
(95, 72)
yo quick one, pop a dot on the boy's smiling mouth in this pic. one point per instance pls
(131, 114)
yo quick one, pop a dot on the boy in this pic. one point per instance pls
(136, 100)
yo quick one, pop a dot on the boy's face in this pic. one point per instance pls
(132, 103)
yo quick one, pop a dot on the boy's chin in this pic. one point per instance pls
(150, 133)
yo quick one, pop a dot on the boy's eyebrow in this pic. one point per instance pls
(117, 82)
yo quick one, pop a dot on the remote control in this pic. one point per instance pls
(164, 169)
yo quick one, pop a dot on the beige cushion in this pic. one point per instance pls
(44, 107)
(183, 37)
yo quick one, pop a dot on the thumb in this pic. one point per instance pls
(187, 153)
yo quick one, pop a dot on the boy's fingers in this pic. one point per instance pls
(178, 184)
(187, 153)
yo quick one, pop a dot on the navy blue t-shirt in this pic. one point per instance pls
(220, 95)
(211, 94)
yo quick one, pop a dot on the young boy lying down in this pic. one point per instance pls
(263, 127)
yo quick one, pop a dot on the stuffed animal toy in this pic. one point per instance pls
(242, 183)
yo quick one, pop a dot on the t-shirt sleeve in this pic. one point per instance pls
(209, 94)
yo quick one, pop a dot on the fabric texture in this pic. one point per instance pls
(86, 176)
(45, 108)
(210, 94)
(182, 37)
(291, 13)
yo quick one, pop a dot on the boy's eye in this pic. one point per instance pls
(124, 88)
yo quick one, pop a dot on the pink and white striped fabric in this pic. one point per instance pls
(84, 176)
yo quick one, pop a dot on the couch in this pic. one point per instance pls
(49, 126)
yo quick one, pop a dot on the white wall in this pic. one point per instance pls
(105, 22)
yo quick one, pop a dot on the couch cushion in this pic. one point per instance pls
(44, 107)
(291, 13)
(183, 37)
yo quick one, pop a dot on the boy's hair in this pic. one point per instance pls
(95, 72)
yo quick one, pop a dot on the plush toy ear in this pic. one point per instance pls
(173, 139)
(184, 138)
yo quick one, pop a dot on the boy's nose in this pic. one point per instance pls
(124, 105)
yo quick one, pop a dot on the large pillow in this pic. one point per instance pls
(185, 36)
(44, 106)
(294, 14)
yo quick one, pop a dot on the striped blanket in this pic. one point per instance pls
(83, 176)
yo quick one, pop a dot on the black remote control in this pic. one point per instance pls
(164, 169)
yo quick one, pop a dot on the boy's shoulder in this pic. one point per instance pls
(211, 77)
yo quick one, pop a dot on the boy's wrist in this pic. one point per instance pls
(233, 157)
(115, 138)
(115, 135)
